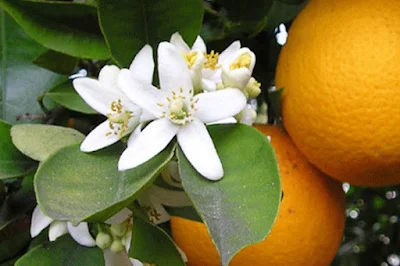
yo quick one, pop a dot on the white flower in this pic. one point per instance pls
(104, 96)
(194, 57)
(210, 74)
(155, 198)
(238, 68)
(79, 233)
(177, 112)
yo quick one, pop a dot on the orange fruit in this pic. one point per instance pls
(309, 226)
(341, 77)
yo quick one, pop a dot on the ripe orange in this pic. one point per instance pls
(309, 226)
(341, 77)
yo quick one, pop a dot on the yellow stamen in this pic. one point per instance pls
(120, 117)
(190, 58)
(211, 60)
(242, 61)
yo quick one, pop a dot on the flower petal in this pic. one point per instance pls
(228, 52)
(172, 69)
(143, 94)
(126, 240)
(135, 134)
(247, 115)
(95, 94)
(116, 259)
(142, 66)
(229, 120)
(39, 221)
(199, 149)
(57, 229)
(220, 104)
(136, 262)
(108, 77)
(98, 138)
(169, 197)
(155, 211)
(177, 41)
(119, 217)
(199, 45)
(208, 85)
(146, 116)
(153, 139)
(237, 78)
(81, 234)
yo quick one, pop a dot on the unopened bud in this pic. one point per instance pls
(253, 88)
(117, 246)
(118, 230)
(103, 240)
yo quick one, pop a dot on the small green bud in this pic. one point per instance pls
(119, 230)
(253, 88)
(117, 246)
(103, 240)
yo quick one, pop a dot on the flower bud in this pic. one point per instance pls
(253, 88)
(117, 246)
(118, 230)
(103, 240)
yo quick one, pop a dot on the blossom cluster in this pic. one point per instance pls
(196, 88)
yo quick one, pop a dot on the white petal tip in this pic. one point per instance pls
(214, 177)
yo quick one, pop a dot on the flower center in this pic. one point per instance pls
(211, 60)
(190, 58)
(179, 108)
(118, 119)
(242, 61)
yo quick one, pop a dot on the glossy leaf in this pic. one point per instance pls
(65, 95)
(240, 209)
(57, 62)
(282, 12)
(76, 186)
(129, 24)
(40, 141)
(12, 162)
(243, 11)
(245, 17)
(150, 244)
(66, 27)
(21, 82)
(62, 252)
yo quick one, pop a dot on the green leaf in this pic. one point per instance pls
(21, 82)
(14, 237)
(130, 24)
(245, 17)
(241, 208)
(18, 203)
(12, 162)
(282, 12)
(62, 252)
(242, 11)
(75, 186)
(57, 62)
(150, 244)
(67, 27)
(40, 141)
(65, 95)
